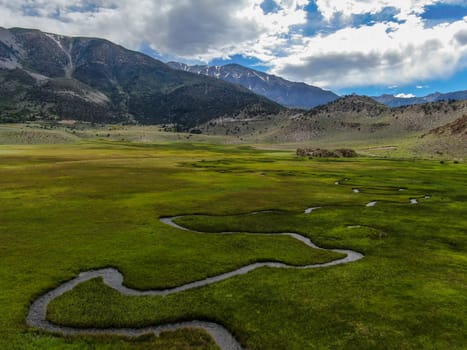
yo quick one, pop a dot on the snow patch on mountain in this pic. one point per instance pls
(69, 67)
(287, 93)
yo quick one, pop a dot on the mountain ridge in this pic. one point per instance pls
(287, 93)
(394, 101)
(51, 76)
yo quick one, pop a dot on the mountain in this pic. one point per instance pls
(284, 92)
(350, 106)
(49, 76)
(393, 101)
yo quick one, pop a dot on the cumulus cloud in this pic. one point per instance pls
(388, 51)
(402, 95)
(202, 29)
(383, 53)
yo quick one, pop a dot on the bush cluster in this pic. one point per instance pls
(324, 153)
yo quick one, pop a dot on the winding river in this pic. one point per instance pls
(37, 316)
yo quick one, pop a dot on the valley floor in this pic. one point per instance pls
(414, 145)
(96, 204)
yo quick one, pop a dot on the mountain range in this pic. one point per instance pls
(52, 77)
(49, 76)
(298, 95)
(284, 92)
(394, 101)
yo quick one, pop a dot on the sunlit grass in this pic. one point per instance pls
(66, 209)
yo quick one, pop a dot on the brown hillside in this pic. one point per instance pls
(456, 128)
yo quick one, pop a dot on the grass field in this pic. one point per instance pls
(410, 145)
(71, 208)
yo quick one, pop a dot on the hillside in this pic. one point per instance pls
(350, 106)
(356, 121)
(456, 128)
(360, 118)
(284, 92)
(48, 76)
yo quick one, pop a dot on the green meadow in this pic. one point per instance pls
(70, 208)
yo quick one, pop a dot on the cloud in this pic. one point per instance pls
(330, 8)
(390, 48)
(202, 29)
(380, 54)
(402, 95)
(461, 37)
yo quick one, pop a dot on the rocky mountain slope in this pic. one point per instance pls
(284, 92)
(457, 128)
(47, 76)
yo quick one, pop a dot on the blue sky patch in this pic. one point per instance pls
(445, 12)
(419, 89)
(270, 6)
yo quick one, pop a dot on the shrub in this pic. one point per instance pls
(324, 153)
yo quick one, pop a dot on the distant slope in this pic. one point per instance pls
(349, 120)
(393, 101)
(48, 76)
(287, 93)
(350, 106)
(361, 118)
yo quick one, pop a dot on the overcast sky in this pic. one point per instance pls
(367, 46)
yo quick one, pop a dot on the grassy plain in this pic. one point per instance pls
(71, 208)
(411, 145)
